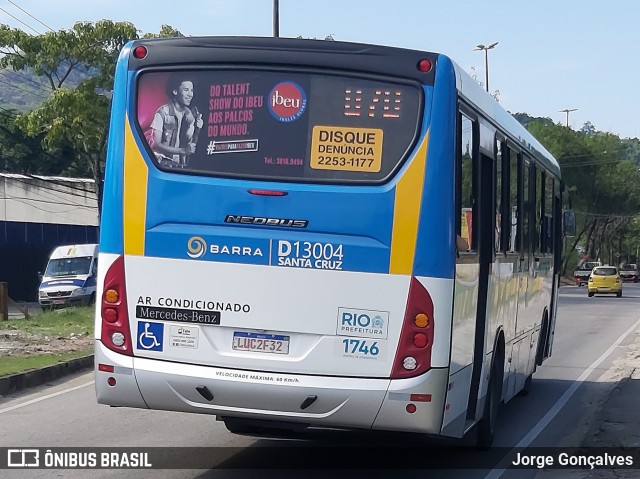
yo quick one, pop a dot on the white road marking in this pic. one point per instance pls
(560, 403)
(48, 396)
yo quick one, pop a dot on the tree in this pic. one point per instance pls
(77, 116)
(601, 177)
(77, 63)
(165, 31)
(25, 154)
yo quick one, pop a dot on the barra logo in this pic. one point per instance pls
(287, 102)
(196, 247)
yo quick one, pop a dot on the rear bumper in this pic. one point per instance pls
(67, 301)
(605, 289)
(340, 402)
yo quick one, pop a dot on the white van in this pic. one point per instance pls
(70, 277)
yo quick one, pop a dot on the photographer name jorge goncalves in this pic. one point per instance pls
(564, 459)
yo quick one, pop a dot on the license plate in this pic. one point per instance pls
(260, 343)
(59, 301)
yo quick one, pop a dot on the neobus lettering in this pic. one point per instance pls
(362, 138)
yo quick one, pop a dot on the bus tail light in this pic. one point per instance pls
(424, 65)
(115, 319)
(140, 52)
(413, 356)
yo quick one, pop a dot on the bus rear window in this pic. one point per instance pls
(273, 125)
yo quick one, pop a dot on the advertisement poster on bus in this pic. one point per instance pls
(275, 125)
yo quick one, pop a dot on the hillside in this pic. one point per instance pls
(24, 90)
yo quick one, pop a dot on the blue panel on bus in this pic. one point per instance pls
(111, 227)
(264, 247)
(435, 254)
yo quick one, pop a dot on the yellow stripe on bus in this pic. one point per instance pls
(135, 195)
(407, 213)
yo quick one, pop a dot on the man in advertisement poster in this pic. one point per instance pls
(175, 127)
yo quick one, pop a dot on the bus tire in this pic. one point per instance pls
(542, 340)
(487, 425)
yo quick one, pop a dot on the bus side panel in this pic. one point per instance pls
(435, 254)
(111, 227)
(463, 330)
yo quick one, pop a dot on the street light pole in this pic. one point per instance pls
(567, 111)
(276, 19)
(486, 60)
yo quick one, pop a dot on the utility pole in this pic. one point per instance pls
(276, 19)
(567, 111)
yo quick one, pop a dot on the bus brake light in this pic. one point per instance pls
(115, 319)
(413, 356)
(268, 192)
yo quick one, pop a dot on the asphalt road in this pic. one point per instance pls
(592, 340)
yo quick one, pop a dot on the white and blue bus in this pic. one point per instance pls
(301, 233)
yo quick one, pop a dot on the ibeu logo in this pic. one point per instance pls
(287, 101)
(196, 247)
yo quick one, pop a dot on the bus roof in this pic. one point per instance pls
(471, 91)
(370, 59)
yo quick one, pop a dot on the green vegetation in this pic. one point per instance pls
(45, 339)
(74, 72)
(601, 176)
(21, 364)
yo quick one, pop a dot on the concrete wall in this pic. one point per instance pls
(47, 199)
(38, 213)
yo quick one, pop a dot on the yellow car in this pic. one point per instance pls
(605, 280)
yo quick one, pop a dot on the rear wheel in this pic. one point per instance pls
(619, 294)
(590, 294)
(487, 425)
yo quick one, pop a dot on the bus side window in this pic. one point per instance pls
(513, 233)
(547, 233)
(465, 187)
(526, 206)
(538, 192)
(501, 189)
(497, 197)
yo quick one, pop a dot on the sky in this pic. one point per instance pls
(551, 55)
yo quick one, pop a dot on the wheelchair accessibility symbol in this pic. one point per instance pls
(150, 336)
